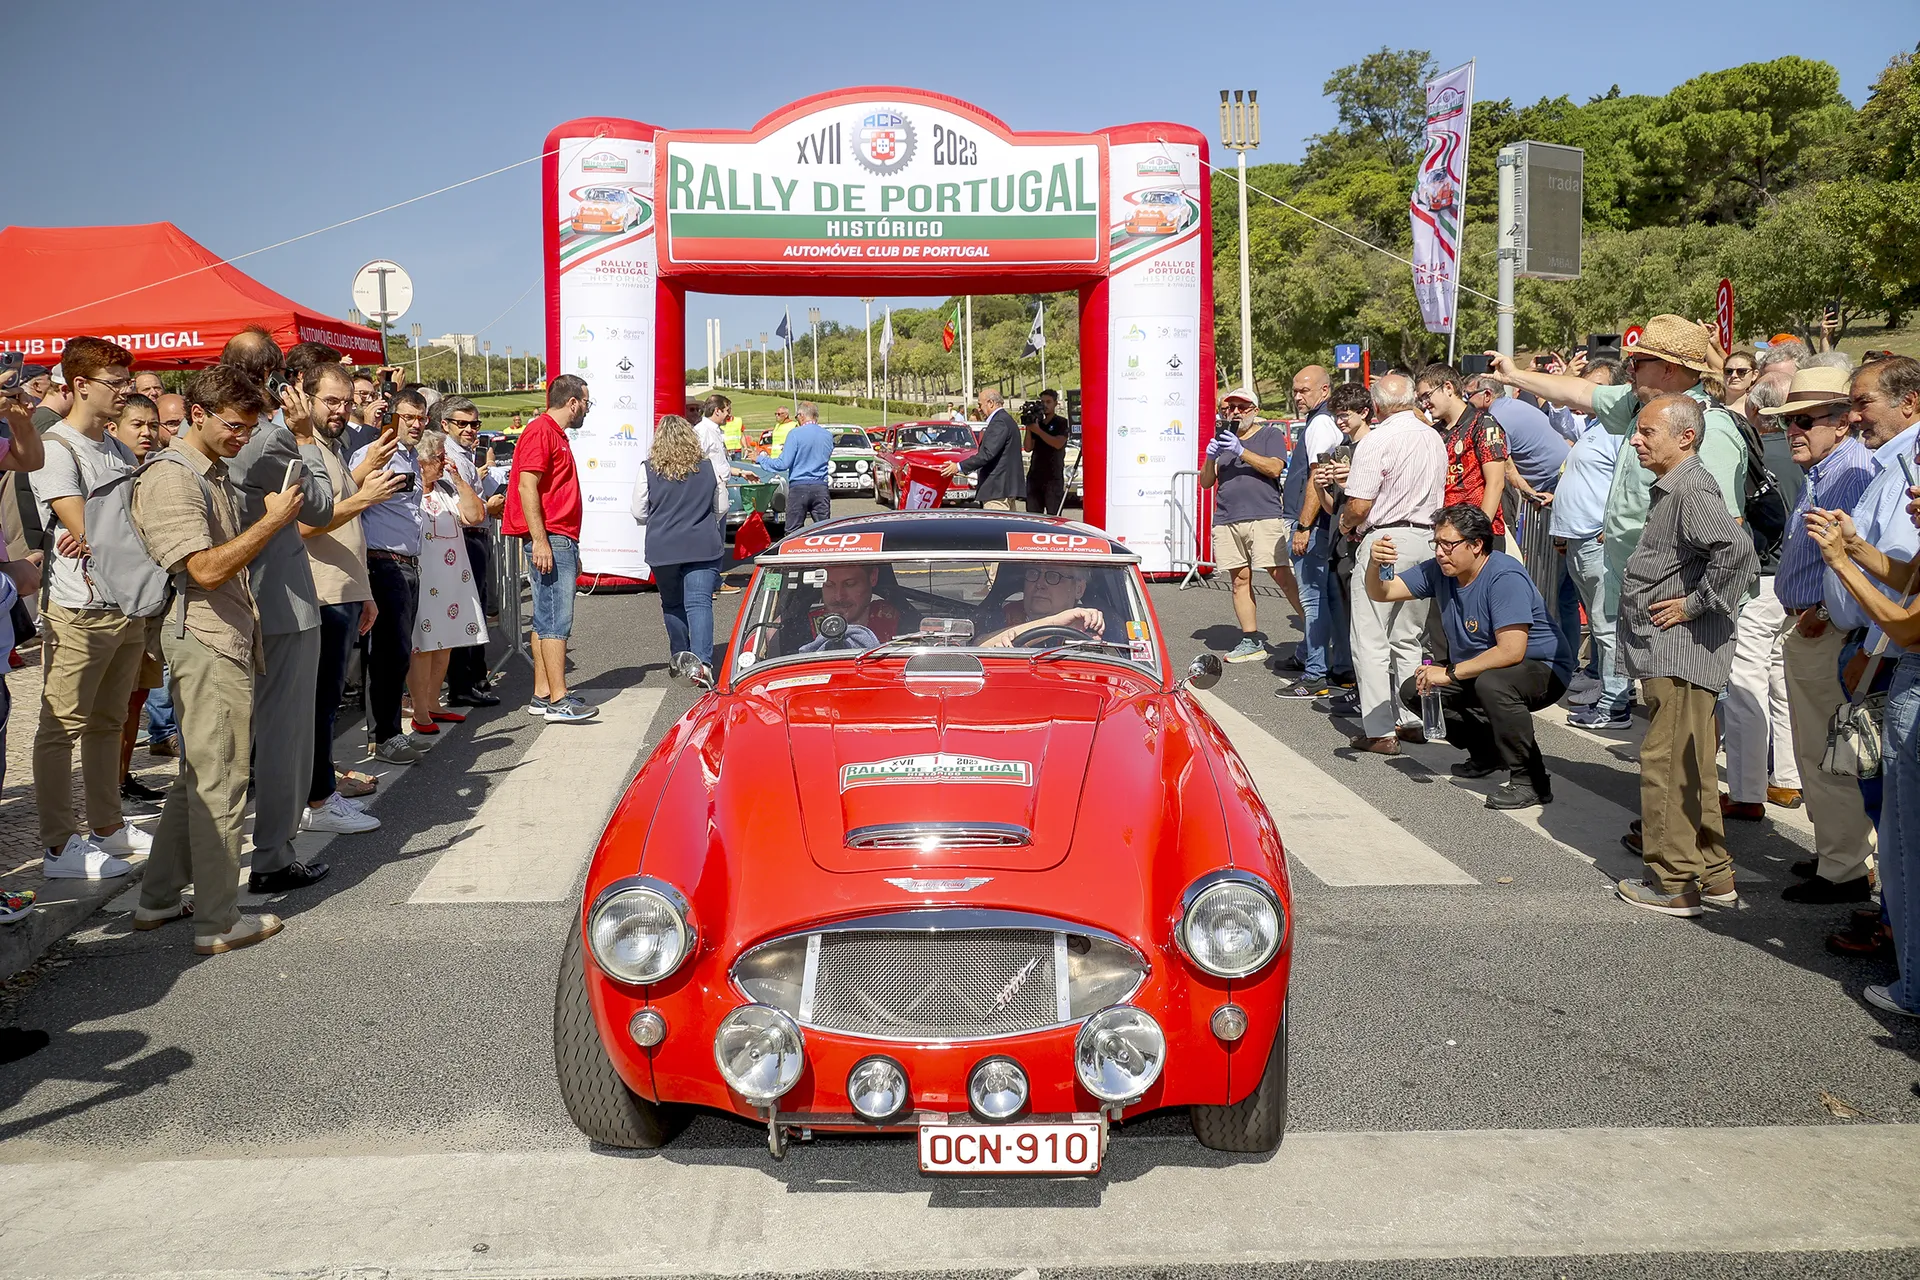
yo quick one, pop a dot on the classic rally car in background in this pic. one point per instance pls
(926, 444)
(606, 210)
(1157, 213)
(851, 470)
(945, 847)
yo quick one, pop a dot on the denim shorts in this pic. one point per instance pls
(553, 591)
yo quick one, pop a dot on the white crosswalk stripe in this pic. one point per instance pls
(1338, 836)
(537, 828)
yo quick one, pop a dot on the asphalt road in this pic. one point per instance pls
(1506, 1075)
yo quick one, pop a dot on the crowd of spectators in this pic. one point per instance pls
(1732, 538)
(212, 561)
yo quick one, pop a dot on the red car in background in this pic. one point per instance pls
(947, 848)
(927, 444)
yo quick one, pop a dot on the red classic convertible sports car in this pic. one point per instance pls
(945, 847)
(926, 444)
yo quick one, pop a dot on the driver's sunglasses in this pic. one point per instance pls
(1052, 577)
(463, 423)
(1807, 421)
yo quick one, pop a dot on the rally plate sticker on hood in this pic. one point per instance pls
(941, 766)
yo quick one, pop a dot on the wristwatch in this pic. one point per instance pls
(1820, 612)
(1452, 678)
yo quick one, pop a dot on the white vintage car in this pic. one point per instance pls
(851, 470)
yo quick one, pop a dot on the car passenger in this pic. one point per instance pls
(1051, 599)
(848, 591)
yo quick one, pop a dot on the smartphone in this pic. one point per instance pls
(1227, 427)
(11, 362)
(1833, 313)
(276, 384)
(409, 482)
(296, 474)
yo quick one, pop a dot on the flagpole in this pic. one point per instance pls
(886, 367)
(1460, 248)
(1040, 319)
(966, 377)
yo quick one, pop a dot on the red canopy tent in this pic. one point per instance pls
(151, 289)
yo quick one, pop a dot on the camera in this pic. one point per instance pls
(1033, 414)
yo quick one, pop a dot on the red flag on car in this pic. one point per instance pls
(751, 538)
(924, 489)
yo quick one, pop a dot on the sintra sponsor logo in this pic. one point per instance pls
(624, 435)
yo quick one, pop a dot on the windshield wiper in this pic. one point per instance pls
(1126, 651)
(885, 645)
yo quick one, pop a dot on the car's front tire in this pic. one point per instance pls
(597, 1098)
(1257, 1122)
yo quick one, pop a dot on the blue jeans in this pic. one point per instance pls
(1568, 607)
(808, 504)
(1326, 652)
(160, 721)
(686, 602)
(1900, 827)
(553, 590)
(1587, 566)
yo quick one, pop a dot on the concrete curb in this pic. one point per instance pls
(63, 906)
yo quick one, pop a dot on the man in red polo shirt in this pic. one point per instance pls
(1476, 447)
(543, 506)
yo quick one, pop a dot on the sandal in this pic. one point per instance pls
(355, 785)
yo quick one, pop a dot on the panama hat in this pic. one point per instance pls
(1675, 339)
(1242, 393)
(1814, 387)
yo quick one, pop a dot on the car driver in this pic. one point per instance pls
(848, 591)
(1051, 599)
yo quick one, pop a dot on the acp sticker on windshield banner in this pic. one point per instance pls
(831, 544)
(944, 766)
(1059, 543)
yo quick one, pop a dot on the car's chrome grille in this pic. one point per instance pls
(929, 836)
(959, 984)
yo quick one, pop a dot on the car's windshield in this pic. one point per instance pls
(1159, 197)
(936, 436)
(850, 439)
(848, 608)
(604, 193)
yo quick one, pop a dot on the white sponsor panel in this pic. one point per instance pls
(1153, 306)
(607, 263)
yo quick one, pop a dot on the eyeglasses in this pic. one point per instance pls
(410, 417)
(1447, 546)
(235, 427)
(1807, 421)
(463, 423)
(1052, 577)
(117, 384)
(1739, 370)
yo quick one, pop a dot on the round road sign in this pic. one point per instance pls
(366, 290)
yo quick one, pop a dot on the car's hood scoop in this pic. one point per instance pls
(904, 775)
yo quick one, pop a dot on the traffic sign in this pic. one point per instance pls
(1723, 315)
(1632, 338)
(382, 291)
(1346, 355)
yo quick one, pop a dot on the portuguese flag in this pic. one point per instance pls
(950, 331)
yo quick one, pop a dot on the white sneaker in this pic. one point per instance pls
(82, 859)
(334, 815)
(128, 840)
(356, 805)
(245, 932)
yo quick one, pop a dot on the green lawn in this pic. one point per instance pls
(755, 409)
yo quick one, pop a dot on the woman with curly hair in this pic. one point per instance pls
(682, 502)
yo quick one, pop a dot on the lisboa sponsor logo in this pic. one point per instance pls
(623, 369)
(883, 141)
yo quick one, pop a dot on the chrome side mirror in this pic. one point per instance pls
(1202, 673)
(687, 669)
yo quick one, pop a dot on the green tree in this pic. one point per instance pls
(1382, 102)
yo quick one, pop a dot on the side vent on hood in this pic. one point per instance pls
(932, 836)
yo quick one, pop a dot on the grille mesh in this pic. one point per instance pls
(959, 984)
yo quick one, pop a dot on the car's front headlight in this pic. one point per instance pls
(1119, 1053)
(1231, 924)
(640, 931)
(862, 466)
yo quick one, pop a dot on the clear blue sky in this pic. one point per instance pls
(184, 112)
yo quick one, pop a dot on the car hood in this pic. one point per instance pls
(934, 456)
(873, 764)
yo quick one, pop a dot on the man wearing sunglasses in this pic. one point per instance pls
(1507, 659)
(93, 650)
(1821, 431)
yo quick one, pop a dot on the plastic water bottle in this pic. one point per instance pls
(1433, 718)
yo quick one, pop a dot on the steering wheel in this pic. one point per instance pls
(1040, 637)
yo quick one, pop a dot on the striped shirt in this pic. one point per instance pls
(1694, 550)
(1401, 467)
(1834, 483)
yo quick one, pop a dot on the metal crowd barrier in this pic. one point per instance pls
(509, 566)
(1530, 528)
(1183, 527)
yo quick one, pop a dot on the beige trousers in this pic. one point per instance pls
(1681, 831)
(89, 660)
(1842, 835)
(198, 840)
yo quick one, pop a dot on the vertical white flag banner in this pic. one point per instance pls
(1439, 195)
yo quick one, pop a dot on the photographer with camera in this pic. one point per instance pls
(393, 571)
(1046, 437)
(1245, 460)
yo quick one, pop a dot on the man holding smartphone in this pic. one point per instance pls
(274, 459)
(1245, 460)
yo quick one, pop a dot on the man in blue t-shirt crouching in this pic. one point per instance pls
(1509, 660)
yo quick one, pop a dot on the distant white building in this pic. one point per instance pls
(465, 343)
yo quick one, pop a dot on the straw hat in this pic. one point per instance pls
(1242, 393)
(1675, 339)
(1813, 387)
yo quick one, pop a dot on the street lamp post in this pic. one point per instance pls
(869, 302)
(763, 362)
(509, 368)
(416, 352)
(486, 349)
(813, 323)
(1240, 133)
(459, 378)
